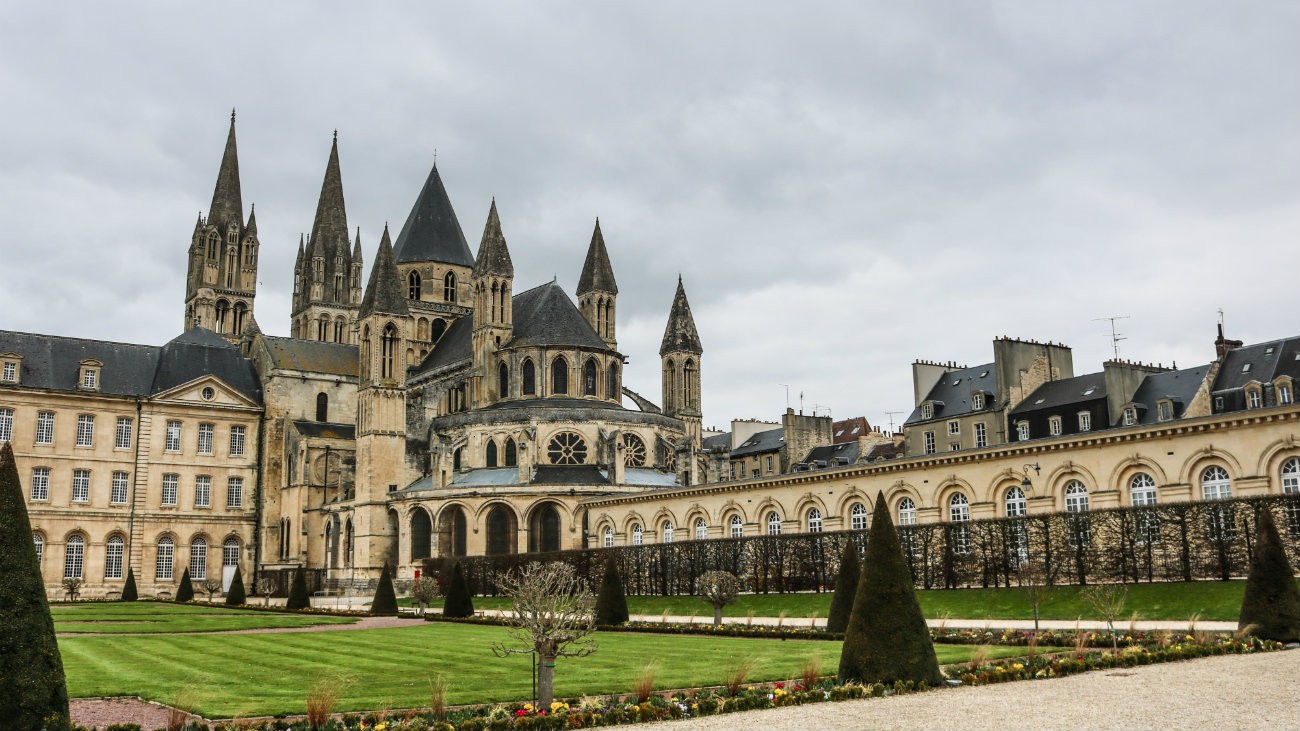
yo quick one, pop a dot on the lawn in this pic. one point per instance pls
(1212, 600)
(157, 617)
(267, 674)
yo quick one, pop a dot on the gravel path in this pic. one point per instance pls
(1220, 693)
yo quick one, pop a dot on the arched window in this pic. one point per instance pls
(502, 531)
(814, 521)
(634, 451)
(638, 536)
(1076, 497)
(322, 406)
(1215, 483)
(669, 531)
(1291, 486)
(612, 391)
(223, 314)
(528, 387)
(559, 375)
(449, 287)
(349, 544)
(670, 382)
(388, 351)
(230, 552)
(198, 559)
(959, 512)
(340, 330)
(323, 329)
(241, 317)
(491, 458)
(858, 517)
(40, 548)
(906, 511)
(455, 459)
(1142, 489)
(1142, 493)
(421, 535)
(512, 453)
(74, 557)
(567, 448)
(774, 523)
(701, 529)
(737, 526)
(688, 384)
(589, 378)
(413, 285)
(113, 552)
(503, 381)
(436, 329)
(607, 538)
(1016, 505)
(166, 554)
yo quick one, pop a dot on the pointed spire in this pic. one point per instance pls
(227, 207)
(330, 229)
(680, 336)
(356, 249)
(493, 255)
(597, 274)
(251, 228)
(431, 231)
(384, 292)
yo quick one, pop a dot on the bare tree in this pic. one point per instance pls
(211, 586)
(424, 591)
(265, 586)
(718, 588)
(1107, 600)
(72, 588)
(554, 616)
(1033, 581)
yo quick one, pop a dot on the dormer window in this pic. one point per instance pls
(1245, 368)
(1254, 398)
(927, 411)
(1165, 410)
(88, 376)
(977, 401)
(1283, 388)
(1022, 431)
(1054, 426)
(1130, 416)
(9, 369)
(1085, 421)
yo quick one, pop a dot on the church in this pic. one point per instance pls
(429, 408)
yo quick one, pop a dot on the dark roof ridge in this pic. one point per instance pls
(74, 337)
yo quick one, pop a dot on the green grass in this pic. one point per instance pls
(1212, 600)
(268, 674)
(162, 618)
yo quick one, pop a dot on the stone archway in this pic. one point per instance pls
(502, 531)
(544, 529)
(452, 531)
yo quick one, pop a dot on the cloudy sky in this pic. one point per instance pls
(845, 187)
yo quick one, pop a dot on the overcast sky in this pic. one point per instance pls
(844, 187)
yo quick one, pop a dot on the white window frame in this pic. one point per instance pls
(122, 435)
(1054, 426)
(1283, 394)
(1085, 421)
(165, 559)
(929, 442)
(1022, 431)
(1016, 504)
(173, 436)
(171, 488)
(1076, 497)
(89, 378)
(814, 521)
(858, 517)
(39, 540)
(230, 552)
(977, 401)
(1130, 415)
(737, 526)
(608, 537)
(81, 485)
(638, 535)
(203, 491)
(954, 428)
(1215, 483)
(906, 511)
(669, 531)
(10, 373)
(774, 523)
(959, 512)
(981, 435)
(45, 427)
(701, 529)
(114, 551)
(927, 411)
(120, 486)
(206, 433)
(237, 439)
(1254, 398)
(74, 557)
(6, 425)
(1141, 490)
(40, 484)
(234, 493)
(85, 430)
(198, 558)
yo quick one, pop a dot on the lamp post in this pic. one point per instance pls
(1026, 483)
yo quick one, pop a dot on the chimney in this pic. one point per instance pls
(1222, 345)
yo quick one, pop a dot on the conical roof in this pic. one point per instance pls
(431, 231)
(384, 292)
(597, 274)
(329, 231)
(227, 207)
(680, 336)
(493, 255)
(251, 229)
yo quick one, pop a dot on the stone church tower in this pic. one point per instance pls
(597, 290)
(222, 278)
(680, 354)
(491, 283)
(327, 273)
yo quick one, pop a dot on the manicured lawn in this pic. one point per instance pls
(156, 617)
(267, 674)
(1213, 600)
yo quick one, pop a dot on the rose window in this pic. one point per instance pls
(567, 448)
(634, 451)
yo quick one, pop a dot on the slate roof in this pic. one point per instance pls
(885, 450)
(200, 352)
(568, 475)
(431, 231)
(325, 430)
(227, 207)
(597, 273)
(849, 429)
(482, 477)
(717, 442)
(455, 345)
(843, 454)
(384, 292)
(312, 356)
(646, 477)
(954, 391)
(1178, 386)
(1266, 362)
(546, 316)
(765, 441)
(1063, 392)
(680, 335)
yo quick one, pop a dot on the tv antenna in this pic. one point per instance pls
(891, 415)
(787, 394)
(1115, 337)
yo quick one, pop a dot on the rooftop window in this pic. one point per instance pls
(1245, 368)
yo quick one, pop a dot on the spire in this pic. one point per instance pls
(384, 292)
(330, 229)
(597, 274)
(251, 229)
(298, 261)
(680, 336)
(493, 256)
(356, 249)
(431, 231)
(227, 207)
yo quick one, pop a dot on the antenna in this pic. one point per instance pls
(787, 394)
(1114, 336)
(891, 415)
(1220, 317)
(800, 402)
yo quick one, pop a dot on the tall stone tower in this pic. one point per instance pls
(327, 274)
(491, 284)
(597, 290)
(680, 354)
(222, 278)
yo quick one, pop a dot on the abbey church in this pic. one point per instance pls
(429, 407)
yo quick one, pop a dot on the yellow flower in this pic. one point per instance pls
(559, 706)
(1018, 666)
(380, 726)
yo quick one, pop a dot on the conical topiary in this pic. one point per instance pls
(1271, 604)
(298, 596)
(129, 592)
(458, 602)
(887, 638)
(846, 589)
(611, 602)
(35, 694)
(236, 596)
(185, 592)
(385, 602)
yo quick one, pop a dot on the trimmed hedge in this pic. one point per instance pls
(611, 602)
(129, 592)
(185, 592)
(298, 596)
(385, 602)
(458, 602)
(236, 596)
(1271, 604)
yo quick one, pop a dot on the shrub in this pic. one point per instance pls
(385, 602)
(236, 596)
(1272, 599)
(298, 596)
(611, 602)
(458, 602)
(887, 638)
(185, 592)
(129, 592)
(718, 588)
(846, 588)
(34, 694)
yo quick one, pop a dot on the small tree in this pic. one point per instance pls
(385, 602)
(611, 602)
(1107, 600)
(211, 587)
(458, 603)
(236, 596)
(129, 592)
(846, 588)
(887, 639)
(553, 617)
(265, 586)
(1270, 607)
(185, 592)
(718, 588)
(1033, 582)
(71, 588)
(424, 591)
(34, 694)
(298, 596)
